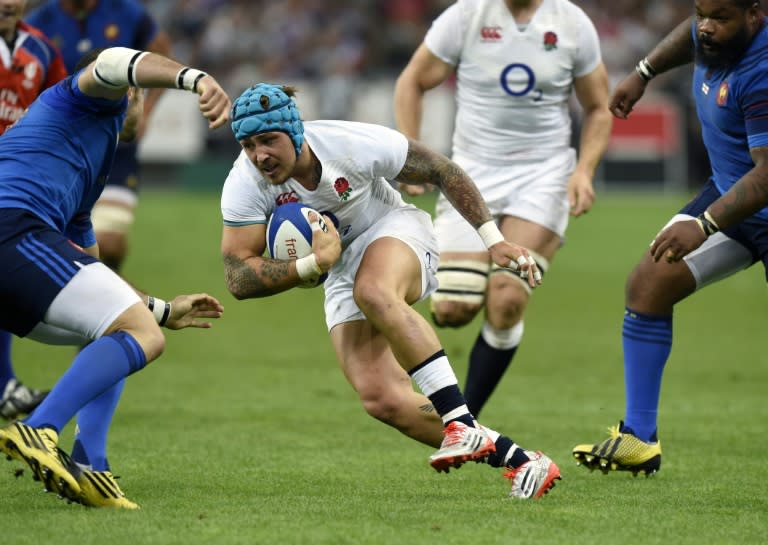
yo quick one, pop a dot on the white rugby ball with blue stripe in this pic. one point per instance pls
(289, 235)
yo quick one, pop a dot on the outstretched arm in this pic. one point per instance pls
(118, 68)
(676, 49)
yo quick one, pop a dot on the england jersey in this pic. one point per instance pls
(55, 159)
(357, 160)
(732, 105)
(27, 68)
(513, 84)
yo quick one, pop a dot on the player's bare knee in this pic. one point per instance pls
(151, 340)
(381, 406)
(371, 296)
(138, 322)
(507, 302)
(112, 249)
(654, 288)
(448, 313)
(461, 291)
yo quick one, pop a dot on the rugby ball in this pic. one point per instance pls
(289, 235)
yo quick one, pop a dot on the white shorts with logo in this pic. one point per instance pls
(410, 225)
(533, 191)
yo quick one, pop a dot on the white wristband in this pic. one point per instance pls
(161, 309)
(490, 233)
(187, 78)
(308, 268)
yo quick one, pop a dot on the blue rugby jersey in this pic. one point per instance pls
(112, 23)
(732, 106)
(55, 160)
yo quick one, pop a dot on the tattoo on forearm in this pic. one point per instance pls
(746, 197)
(244, 282)
(424, 166)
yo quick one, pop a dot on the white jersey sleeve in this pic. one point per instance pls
(388, 150)
(445, 38)
(242, 201)
(588, 55)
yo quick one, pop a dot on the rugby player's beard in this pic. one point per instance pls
(279, 176)
(725, 54)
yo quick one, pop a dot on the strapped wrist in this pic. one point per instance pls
(307, 267)
(490, 233)
(707, 224)
(188, 78)
(645, 70)
(160, 309)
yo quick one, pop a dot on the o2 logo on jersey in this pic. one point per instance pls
(518, 80)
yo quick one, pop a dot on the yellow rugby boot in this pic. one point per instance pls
(622, 451)
(38, 448)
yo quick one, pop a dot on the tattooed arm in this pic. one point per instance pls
(745, 197)
(424, 166)
(247, 271)
(676, 49)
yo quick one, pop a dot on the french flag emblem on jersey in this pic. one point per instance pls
(722, 94)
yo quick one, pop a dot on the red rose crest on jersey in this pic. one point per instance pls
(722, 94)
(550, 40)
(341, 185)
(490, 34)
(283, 198)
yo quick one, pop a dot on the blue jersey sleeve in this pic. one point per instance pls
(754, 104)
(80, 230)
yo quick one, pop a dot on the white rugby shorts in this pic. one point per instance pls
(410, 225)
(533, 191)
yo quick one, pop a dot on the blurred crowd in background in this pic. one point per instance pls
(339, 45)
(280, 40)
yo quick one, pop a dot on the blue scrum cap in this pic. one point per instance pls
(267, 108)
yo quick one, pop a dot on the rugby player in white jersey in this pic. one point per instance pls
(517, 63)
(380, 255)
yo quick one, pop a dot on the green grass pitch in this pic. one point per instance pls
(248, 433)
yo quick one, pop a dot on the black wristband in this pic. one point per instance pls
(166, 314)
(708, 226)
(645, 70)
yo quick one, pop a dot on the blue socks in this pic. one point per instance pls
(97, 368)
(647, 344)
(93, 422)
(6, 368)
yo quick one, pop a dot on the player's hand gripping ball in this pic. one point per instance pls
(289, 235)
